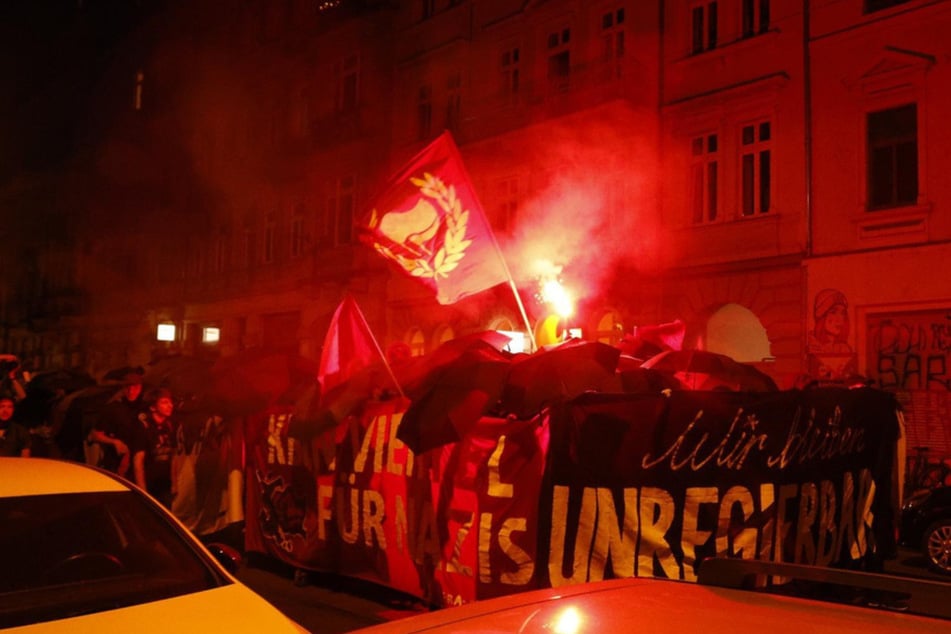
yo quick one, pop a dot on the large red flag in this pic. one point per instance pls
(349, 346)
(429, 222)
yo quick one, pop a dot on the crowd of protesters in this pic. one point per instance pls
(133, 433)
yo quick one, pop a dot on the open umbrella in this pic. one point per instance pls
(457, 395)
(182, 375)
(415, 374)
(705, 370)
(558, 372)
(257, 378)
(315, 412)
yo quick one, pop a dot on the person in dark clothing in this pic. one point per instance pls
(15, 439)
(117, 431)
(159, 440)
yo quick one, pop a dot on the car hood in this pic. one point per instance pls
(231, 608)
(654, 606)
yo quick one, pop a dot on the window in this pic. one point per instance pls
(338, 212)
(139, 88)
(507, 210)
(424, 113)
(755, 168)
(298, 231)
(248, 244)
(510, 71)
(270, 238)
(704, 178)
(454, 102)
(877, 5)
(220, 251)
(417, 342)
(893, 157)
(559, 59)
(755, 17)
(703, 27)
(347, 74)
(612, 39)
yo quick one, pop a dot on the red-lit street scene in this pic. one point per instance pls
(471, 315)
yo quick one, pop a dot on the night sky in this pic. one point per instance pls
(54, 53)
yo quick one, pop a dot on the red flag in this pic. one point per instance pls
(349, 346)
(429, 221)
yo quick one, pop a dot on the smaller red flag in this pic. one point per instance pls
(429, 222)
(349, 347)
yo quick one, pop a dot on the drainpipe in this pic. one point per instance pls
(807, 112)
(807, 167)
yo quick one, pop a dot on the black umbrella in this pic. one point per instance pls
(457, 394)
(560, 372)
(705, 370)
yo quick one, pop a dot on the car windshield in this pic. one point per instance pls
(71, 554)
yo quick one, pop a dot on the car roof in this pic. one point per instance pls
(44, 476)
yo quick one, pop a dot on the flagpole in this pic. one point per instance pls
(386, 363)
(498, 250)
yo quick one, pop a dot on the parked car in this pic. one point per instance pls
(86, 551)
(726, 599)
(926, 526)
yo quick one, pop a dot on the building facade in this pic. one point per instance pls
(767, 171)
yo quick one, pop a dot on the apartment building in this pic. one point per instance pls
(767, 171)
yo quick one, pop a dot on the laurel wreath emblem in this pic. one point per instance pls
(454, 244)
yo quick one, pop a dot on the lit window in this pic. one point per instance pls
(165, 332)
(210, 334)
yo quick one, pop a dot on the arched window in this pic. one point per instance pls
(443, 334)
(737, 332)
(417, 342)
(610, 330)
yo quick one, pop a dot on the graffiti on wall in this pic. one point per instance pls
(910, 354)
(911, 351)
(831, 356)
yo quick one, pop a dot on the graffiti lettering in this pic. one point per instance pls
(912, 352)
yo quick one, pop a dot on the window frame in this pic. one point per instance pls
(892, 141)
(757, 149)
(704, 178)
(704, 26)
